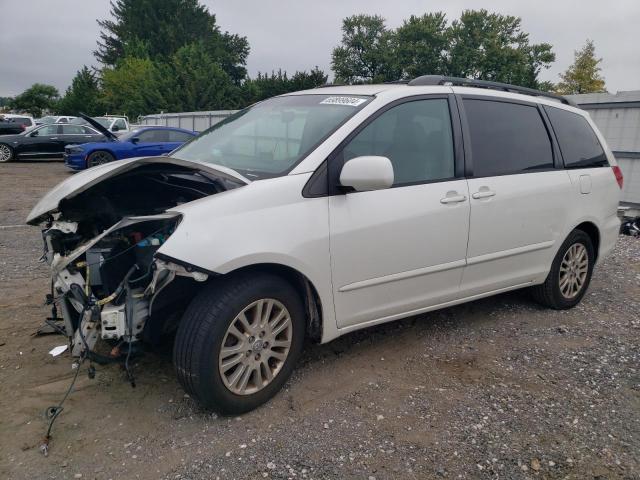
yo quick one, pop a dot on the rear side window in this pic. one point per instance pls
(507, 138)
(177, 136)
(578, 142)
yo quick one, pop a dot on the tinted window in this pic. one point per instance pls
(48, 130)
(176, 136)
(506, 138)
(153, 136)
(120, 124)
(22, 120)
(89, 131)
(416, 136)
(72, 130)
(578, 143)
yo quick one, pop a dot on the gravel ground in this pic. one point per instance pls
(498, 388)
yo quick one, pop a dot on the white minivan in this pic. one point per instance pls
(317, 213)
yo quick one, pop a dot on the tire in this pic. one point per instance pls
(563, 287)
(6, 153)
(98, 158)
(206, 327)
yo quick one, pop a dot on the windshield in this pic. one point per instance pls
(48, 120)
(79, 121)
(271, 137)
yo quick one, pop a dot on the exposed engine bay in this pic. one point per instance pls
(101, 243)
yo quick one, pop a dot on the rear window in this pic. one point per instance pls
(578, 142)
(22, 120)
(507, 138)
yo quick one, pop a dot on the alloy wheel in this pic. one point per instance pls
(5, 153)
(255, 346)
(573, 270)
(99, 158)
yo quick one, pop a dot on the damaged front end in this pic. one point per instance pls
(101, 238)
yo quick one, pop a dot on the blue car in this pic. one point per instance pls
(142, 142)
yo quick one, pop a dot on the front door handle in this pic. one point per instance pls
(484, 192)
(453, 197)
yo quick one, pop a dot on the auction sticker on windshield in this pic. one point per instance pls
(348, 101)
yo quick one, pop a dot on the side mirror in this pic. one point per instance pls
(115, 128)
(34, 134)
(135, 140)
(367, 173)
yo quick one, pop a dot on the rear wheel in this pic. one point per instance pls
(238, 342)
(570, 273)
(98, 158)
(6, 153)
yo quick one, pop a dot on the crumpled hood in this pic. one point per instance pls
(84, 180)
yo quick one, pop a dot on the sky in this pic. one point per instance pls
(47, 41)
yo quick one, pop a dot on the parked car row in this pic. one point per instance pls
(84, 146)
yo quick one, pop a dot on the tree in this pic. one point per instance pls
(367, 51)
(36, 98)
(490, 46)
(136, 86)
(583, 76)
(422, 45)
(278, 83)
(82, 96)
(159, 28)
(200, 82)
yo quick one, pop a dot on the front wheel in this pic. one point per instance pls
(238, 342)
(570, 273)
(6, 153)
(98, 158)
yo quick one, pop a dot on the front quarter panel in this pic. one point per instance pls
(267, 221)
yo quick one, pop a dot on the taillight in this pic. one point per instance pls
(618, 173)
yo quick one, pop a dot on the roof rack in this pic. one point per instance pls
(469, 82)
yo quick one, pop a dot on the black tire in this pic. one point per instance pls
(549, 293)
(99, 157)
(202, 331)
(6, 153)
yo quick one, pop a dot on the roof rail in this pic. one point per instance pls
(469, 82)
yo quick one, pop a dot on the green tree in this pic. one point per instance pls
(200, 82)
(36, 98)
(367, 51)
(82, 96)
(159, 28)
(422, 45)
(136, 86)
(278, 83)
(583, 76)
(491, 46)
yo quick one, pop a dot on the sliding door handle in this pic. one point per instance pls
(483, 194)
(453, 199)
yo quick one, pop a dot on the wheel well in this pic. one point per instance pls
(305, 288)
(86, 158)
(594, 234)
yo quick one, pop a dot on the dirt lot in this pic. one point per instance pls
(499, 388)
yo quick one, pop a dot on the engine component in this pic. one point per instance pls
(113, 318)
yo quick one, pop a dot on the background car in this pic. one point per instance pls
(11, 124)
(142, 142)
(118, 124)
(54, 119)
(45, 141)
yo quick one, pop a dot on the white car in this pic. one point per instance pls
(26, 120)
(115, 124)
(321, 212)
(55, 119)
